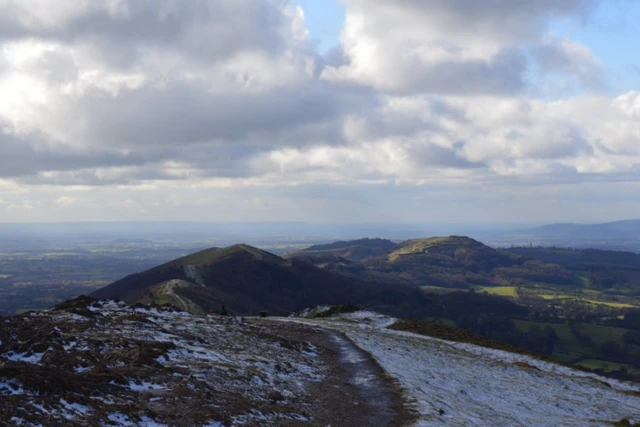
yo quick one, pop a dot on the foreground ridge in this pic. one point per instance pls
(104, 363)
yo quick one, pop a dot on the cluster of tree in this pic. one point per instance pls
(577, 259)
(452, 305)
(632, 320)
(585, 340)
(604, 269)
(631, 338)
(536, 338)
(536, 271)
(610, 350)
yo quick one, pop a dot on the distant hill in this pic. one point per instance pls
(581, 258)
(454, 262)
(618, 235)
(607, 229)
(600, 269)
(354, 250)
(248, 280)
(379, 244)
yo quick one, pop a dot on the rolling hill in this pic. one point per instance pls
(608, 229)
(460, 262)
(618, 235)
(248, 280)
(451, 262)
(353, 250)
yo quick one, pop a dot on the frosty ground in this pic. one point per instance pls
(456, 384)
(104, 363)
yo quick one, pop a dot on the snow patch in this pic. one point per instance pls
(23, 357)
(144, 386)
(10, 387)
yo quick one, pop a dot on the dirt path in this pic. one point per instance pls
(356, 391)
(459, 384)
(168, 289)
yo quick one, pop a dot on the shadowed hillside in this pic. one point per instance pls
(352, 250)
(248, 280)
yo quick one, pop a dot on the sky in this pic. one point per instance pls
(319, 111)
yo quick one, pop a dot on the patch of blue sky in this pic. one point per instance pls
(612, 34)
(324, 19)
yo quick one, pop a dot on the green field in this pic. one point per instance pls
(550, 297)
(505, 291)
(558, 296)
(612, 304)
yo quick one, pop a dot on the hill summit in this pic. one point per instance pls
(441, 245)
(452, 262)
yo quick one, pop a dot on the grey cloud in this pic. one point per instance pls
(184, 114)
(335, 57)
(435, 156)
(212, 29)
(19, 157)
(502, 75)
(552, 57)
(396, 123)
(493, 16)
(556, 140)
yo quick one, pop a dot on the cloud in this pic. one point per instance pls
(134, 97)
(572, 59)
(211, 29)
(456, 47)
(65, 202)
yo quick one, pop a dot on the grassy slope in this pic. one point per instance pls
(504, 291)
(417, 246)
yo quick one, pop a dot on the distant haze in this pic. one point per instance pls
(240, 232)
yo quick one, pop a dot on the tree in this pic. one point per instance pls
(632, 319)
(632, 338)
(535, 339)
(610, 350)
(551, 339)
(468, 322)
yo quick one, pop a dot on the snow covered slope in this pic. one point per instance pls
(456, 384)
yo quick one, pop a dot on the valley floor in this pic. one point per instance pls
(455, 384)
